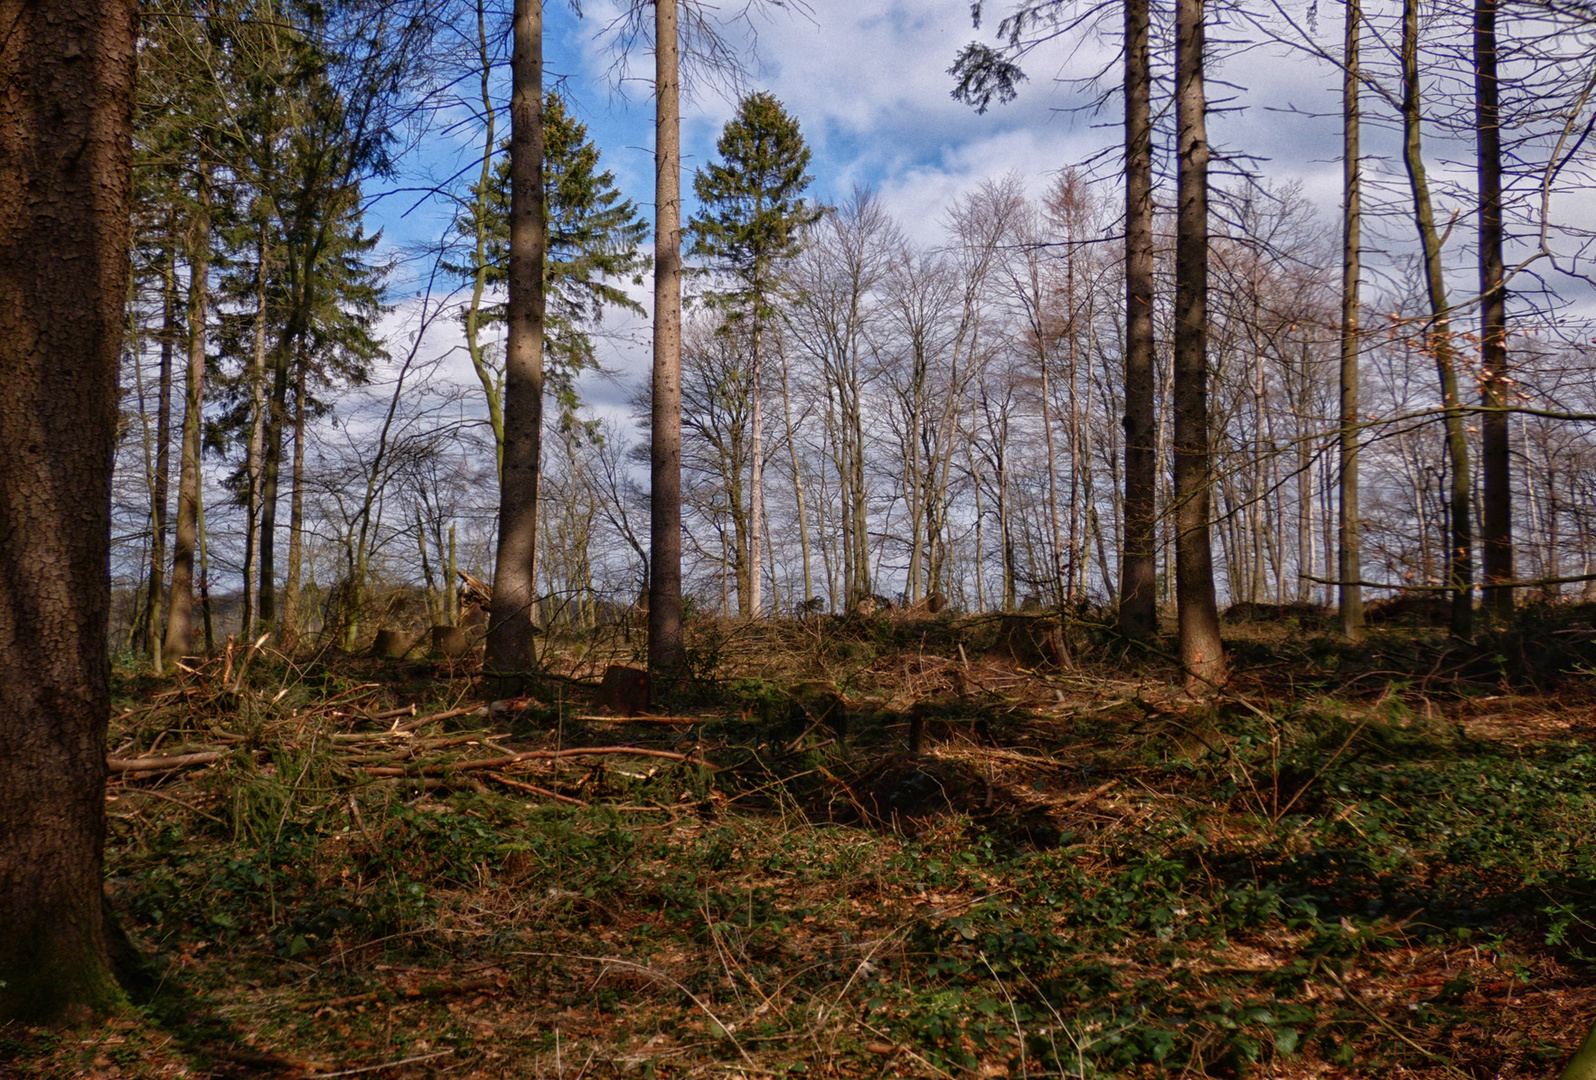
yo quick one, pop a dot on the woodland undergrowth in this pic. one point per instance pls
(889, 846)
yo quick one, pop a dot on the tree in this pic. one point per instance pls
(592, 238)
(515, 565)
(666, 652)
(1201, 651)
(1350, 562)
(752, 222)
(1438, 334)
(1496, 448)
(66, 103)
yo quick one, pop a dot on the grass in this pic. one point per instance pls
(1356, 862)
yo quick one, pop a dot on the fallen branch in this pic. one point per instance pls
(170, 761)
(533, 789)
(526, 755)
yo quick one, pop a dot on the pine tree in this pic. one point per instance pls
(594, 237)
(752, 223)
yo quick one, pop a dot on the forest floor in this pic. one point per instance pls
(866, 848)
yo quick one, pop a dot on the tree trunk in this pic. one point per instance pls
(1495, 451)
(1350, 560)
(756, 471)
(1138, 568)
(1460, 553)
(288, 631)
(271, 469)
(161, 493)
(1201, 653)
(666, 655)
(66, 81)
(180, 614)
(797, 478)
(515, 568)
(257, 437)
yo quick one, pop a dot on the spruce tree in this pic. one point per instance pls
(751, 224)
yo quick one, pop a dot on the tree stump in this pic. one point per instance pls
(450, 641)
(391, 644)
(1030, 640)
(624, 691)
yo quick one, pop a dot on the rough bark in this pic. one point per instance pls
(1201, 652)
(1349, 555)
(665, 649)
(180, 609)
(66, 113)
(1138, 602)
(1495, 447)
(515, 568)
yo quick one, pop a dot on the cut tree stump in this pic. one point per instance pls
(391, 644)
(450, 641)
(624, 691)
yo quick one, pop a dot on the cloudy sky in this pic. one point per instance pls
(868, 82)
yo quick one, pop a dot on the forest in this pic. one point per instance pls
(868, 606)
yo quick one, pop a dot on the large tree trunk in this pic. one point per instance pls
(66, 115)
(180, 613)
(1138, 561)
(1495, 451)
(1350, 560)
(1460, 554)
(515, 568)
(1201, 653)
(665, 648)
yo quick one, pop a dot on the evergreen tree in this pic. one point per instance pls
(593, 240)
(751, 224)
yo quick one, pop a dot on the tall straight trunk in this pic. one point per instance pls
(161, 493)
(180, 617)
(1057, 563)
(515, 568)
(1201, 652)
(67, 71)
(756, 471)
(1460, 552)
(257, 435)
(1349, 555)
(797, 477)
(288, 631)
(666, 655)
(1495, 449)
(271, 469)
(1138, 564)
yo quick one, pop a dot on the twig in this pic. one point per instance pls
(533, 789)
(386, 1064)
(527, 755)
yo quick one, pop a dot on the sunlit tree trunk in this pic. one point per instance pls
(1201, 652)
(666, 655)
(1349, 560)
(510, 639)
(180, 615)
(288, 632)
